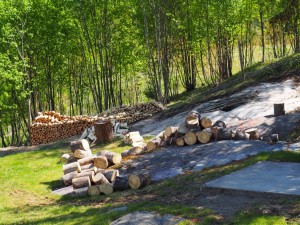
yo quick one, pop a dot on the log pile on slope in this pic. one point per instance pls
(195, 129)
(131, 114)
(92, 174)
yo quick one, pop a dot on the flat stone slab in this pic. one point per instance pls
(147, 218)
(270, 177)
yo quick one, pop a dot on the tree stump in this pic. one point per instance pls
(104, 131)
(279, 109)
(139, 179)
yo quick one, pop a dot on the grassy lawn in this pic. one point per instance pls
(27, 179)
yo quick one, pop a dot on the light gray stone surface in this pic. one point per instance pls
(147, 218)
(270, 177)
(172, 160)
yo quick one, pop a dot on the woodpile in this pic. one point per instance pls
(195, 129)
(51, 126)
(131, 114)
(92, 174)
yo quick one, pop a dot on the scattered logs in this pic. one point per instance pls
(139, 179)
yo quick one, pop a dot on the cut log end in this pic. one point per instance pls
(206, 122)
(190, 138)
(139, 179)
(93, 191)
(106, 189)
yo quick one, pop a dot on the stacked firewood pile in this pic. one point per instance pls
(51, 126)
(93, 174)
(202, 130)
(131, 114)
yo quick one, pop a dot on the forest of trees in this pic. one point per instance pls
(85, 56)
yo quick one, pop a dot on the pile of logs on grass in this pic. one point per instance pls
(51, 126)
(195, 129)
(131, 114)
(92, 174)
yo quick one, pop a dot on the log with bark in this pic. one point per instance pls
(89, 173)
(81, 182)
(154, 143)
(81, 192)
(139, 179)
(241, 135)
(81, 144)
(205, 122)
(66, 158)
(110, 174)
(192, 120)
(190, 138)
(133, 151)
(104, 131)
(71, 167)
(170, 131)
(225, 134)
(106, 188)
(67, 178)
(253, 133)
(99, 178)
(220, 124)
(112, 157)
(120, 183)
(93, 190)
(86, 161)
(204, 136)
(101, 162)
(79, 154)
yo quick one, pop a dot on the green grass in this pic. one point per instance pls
(27, 179)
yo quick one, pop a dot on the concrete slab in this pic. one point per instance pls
(270, 177)
(147, 218)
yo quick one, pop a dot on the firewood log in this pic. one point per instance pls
(139, 179)
(112, 157)
(109, 174)
(71, 167)
(253, 132)
(204, 136)
(133, 151)
(219, 123)
(101, 162)
(225, 134)
(86, 160)
(120, 184)
(94, 190)
(180, 141)
(88, 167)
(81, 192)
(81, 182)
(67, 178)
(241, 135)
(170, 131)
(190, 138)
(206, 122)
(104, 131)
(154, 143)
(65, 158)
(99, 178)
(274, 138)
(106, 188)
(79, 154)
(192, 120)
(80, 144)
(85, 174)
